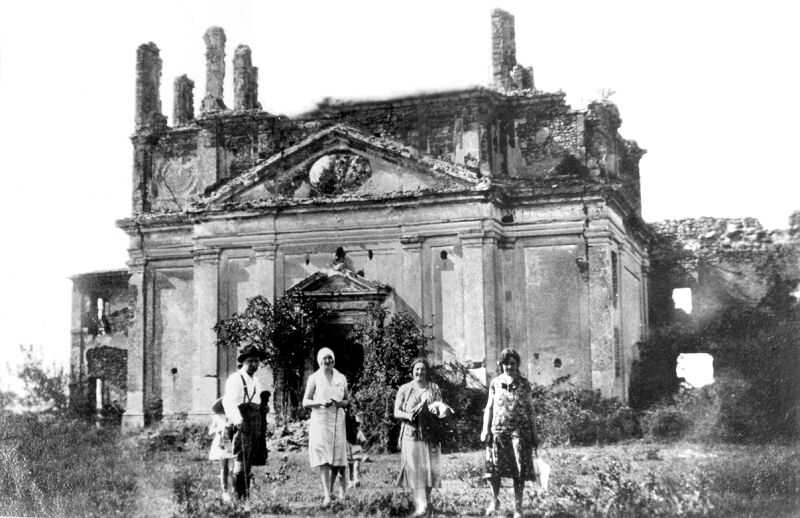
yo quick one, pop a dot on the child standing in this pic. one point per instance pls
(221, 447)
(355, 449)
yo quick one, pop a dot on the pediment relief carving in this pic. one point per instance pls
(339, 282)
(340, 161)
(338, 172)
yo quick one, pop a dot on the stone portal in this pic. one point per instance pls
(346, 296)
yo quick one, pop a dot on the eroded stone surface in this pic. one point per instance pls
(245, 80)
(183, 103)
(215, 69)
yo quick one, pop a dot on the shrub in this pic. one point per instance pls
(178, 437)
(389, 347)
(666, 422)
(567, 415)
(726, 410)
(755, 353)
(467, 397)
(285, 331)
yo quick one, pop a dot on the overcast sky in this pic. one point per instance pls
(708, 88)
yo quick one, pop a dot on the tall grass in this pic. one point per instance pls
(62, 468)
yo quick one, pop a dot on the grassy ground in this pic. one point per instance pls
(69, 469)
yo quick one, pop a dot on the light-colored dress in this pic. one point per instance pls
(327, 437)
(419, 458)
(221, 445)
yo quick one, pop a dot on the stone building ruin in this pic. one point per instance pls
(497, 216)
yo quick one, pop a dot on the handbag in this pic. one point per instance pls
(542, 471)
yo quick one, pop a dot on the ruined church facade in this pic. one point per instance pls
(497, 216)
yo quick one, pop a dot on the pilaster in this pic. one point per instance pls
(265, 270)
(206, 314)
(134, 407)
(601, 319)
(410, 289)
(480, 258)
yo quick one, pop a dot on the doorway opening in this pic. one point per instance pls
(349, 354)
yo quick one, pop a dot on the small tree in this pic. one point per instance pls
(285, 332)
(389, 347)
(44, 389)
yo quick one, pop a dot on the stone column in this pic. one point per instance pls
(183, 109)
(645, 299)
(77, 347)
(265, 271)
(148, 82)
(601, 319)
(245, 80)
(480, 323)
(134, 407)
(411, 287)
(504, 48)
(206, 314)
(215, 69)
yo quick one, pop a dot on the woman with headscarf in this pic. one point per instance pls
(509, 431)
(416, 401)
(326, 396)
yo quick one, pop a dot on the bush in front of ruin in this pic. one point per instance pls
(389, 343)
(567, 415)
(755, 397)
(285, 331)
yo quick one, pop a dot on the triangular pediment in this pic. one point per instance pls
(342, 162)
(339, 282)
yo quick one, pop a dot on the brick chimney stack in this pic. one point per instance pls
(245, 80)
(215, 69)
(148, 83)
(504, 49)
(183, 102)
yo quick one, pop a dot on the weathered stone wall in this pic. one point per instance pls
(96, 327)
(171, 350)
(723, 260)
(455, 126)
(538, 133)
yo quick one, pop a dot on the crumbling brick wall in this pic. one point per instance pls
(724, 261)
(99, 333)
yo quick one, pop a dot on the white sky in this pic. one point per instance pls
(708, 88)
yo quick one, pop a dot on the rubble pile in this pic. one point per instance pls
(289, 437)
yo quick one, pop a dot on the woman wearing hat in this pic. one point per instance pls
(247, 415)
(509, 431)
(326, 396)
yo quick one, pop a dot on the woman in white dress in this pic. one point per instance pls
(326, 396)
